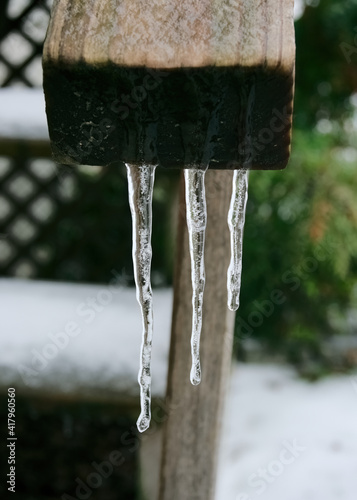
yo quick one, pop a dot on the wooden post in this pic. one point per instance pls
(190, 443)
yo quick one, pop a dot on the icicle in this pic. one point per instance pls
(141, 183)
(236, 218)
(196, 215)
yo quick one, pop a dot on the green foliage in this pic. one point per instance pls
(301, 225)
(326, 61)
(300, 239)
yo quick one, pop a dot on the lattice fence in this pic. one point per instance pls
(63, 223)
(22, 31)
(74, 224)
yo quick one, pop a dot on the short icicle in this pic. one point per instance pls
(141, 183)
(236, 219)
(196, 215)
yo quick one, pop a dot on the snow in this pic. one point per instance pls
(269, 410)
(269, 406)
(103, 357)
(22, 113)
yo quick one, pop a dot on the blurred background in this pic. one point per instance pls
(61, 224)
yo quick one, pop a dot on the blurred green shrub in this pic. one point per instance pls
(300, 246)
(326, 61)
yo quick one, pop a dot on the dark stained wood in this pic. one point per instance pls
(191, 433)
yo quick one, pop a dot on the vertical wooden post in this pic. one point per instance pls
(190, 442)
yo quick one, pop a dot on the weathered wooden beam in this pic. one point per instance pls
(175, 83)
(191, 433)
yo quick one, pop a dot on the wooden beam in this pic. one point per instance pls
(191, 433)
(179, 83)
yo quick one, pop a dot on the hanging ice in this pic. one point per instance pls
(236, 218)
(141, 183)
(196, 215)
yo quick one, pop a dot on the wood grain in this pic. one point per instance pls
(172, 33)
(191, 433)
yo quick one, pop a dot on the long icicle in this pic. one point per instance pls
(236, 219)
(196, 215)
(140, 184)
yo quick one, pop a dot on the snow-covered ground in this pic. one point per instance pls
(283, 438)
(288, 439)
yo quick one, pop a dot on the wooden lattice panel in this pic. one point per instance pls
(73, 224)
(46, 223)
(23, 27)
(29, 201)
